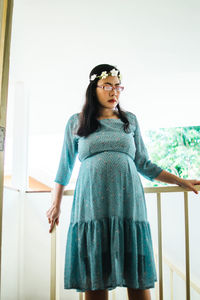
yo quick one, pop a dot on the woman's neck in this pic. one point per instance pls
(115, 115)
(108, 115)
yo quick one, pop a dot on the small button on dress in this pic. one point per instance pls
(109, 241)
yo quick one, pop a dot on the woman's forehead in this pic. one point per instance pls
(109, 79)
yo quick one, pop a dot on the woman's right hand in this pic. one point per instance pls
(53, 214)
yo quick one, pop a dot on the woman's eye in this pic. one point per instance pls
(107, 88)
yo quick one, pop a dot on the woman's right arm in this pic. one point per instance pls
(57, 194)
(65, 168)
(54, 211)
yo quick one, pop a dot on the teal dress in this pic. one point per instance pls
(109, 240)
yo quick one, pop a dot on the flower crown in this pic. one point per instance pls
(104, 74)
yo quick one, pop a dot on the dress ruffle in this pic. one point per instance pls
(109, 252)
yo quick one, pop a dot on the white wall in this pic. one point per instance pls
(10, 245)
(155, 44)
(55, 44)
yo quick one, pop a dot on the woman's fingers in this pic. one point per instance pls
(194, 182)
(53, 216)
(190, 184)
(51, 226)
(194, 190)
(53, 221)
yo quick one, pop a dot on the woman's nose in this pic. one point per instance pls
(114, 90)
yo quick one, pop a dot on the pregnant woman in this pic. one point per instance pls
(109, 238)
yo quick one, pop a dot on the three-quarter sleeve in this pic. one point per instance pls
(143, 164)
(68, 153)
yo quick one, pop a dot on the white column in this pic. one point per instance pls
(20, 137)
(20, 171)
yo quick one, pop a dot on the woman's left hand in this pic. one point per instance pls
(189, 183)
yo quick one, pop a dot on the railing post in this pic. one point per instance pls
(156, 284)
(82, 296)
(160, 246)
(187, 254)
(54, 268)
(53, 265)
(171, 283)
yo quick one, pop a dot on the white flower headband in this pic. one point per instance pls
(104, 74)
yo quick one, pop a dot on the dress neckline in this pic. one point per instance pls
(109, 119)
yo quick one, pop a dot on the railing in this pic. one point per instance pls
(174, 269)
(159, 191)
(54, 276)
(54, 294)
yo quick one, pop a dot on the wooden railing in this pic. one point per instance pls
(159, 256)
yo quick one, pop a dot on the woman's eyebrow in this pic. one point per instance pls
(110, 83)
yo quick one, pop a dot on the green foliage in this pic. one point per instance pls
(176, 150)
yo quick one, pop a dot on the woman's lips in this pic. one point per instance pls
(112, 100)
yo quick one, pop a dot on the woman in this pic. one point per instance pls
(109, 239)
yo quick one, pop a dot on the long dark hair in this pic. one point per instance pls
(88, 122)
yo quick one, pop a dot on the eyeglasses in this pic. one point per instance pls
(110, 88)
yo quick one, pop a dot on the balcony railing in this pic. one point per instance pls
(159, 256)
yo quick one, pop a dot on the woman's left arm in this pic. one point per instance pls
(171, 178)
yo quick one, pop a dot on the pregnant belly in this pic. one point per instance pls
(108, 163)
(109, 184)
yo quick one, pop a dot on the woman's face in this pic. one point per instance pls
(104, 96)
